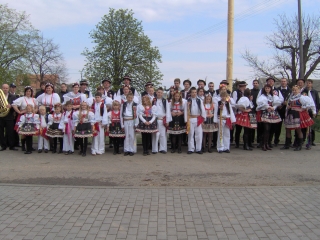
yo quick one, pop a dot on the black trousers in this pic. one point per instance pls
(237, 134)
(259, 132)
(146, 139)
(83, 143)
(29, 143)
(6, 133)
(55, 143)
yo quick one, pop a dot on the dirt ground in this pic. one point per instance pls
(238, 168)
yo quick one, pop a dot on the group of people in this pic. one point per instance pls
(201, 119)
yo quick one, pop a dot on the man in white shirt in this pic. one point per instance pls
(163, 118)
(194, 115)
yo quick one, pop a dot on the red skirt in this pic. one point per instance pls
(258, 116)
(243, 120)
(305, 120)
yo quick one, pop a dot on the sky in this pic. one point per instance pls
(191, 34)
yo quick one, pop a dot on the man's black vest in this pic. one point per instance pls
(198, 103)
(124, 107)
(227, 106)
(164, 103)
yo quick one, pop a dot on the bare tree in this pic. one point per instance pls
(44, 58)
(284, 41)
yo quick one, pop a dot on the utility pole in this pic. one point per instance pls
(230, 43)
(301, 70)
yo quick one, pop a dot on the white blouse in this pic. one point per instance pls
(141, 113)
(22, 102)
(29, 118)
(88, 118)
(48, 100)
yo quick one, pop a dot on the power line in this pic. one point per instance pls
(258, 8)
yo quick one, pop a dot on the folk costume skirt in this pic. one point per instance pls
(83, 130)
(297, 119)
(54, 131)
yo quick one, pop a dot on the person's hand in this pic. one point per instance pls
(167, 124)
(221, 106)
(9, 106)
(173, 114)
(122, 129)
(22, 111)
(248, 110)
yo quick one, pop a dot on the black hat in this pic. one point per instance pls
(300, 79)
(224, 82)
(270, 78)
(200, 80)
(242, 84)
(127, 77)
(187, 80)
(12, 85)
(84, 82)
(148, 84)
(106, 80)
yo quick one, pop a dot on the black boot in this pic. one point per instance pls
(23, 144)
(300, 142)
(245, 143)
(287, 144)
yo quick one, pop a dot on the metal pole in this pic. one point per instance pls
(301, 70)
(230, 42)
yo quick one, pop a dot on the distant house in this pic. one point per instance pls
(35, 83)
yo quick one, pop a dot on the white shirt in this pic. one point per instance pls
(48, 100)
(22, 102)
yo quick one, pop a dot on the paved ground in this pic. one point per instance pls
(239, 168)
(46, 212)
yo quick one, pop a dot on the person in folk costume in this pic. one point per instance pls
(66, 125)
(129, 121)
(225, 118)
(100, 112)
(247, 118)
(170, 99)
(83, 121)
(123, 98)
(316, 99)
(7, 137)
(266, 113)
(194, 116)
(147, 122)
(217, 98)
(177, 125)
(115, 130)
(20, 106)
(107, 91)
(83, 88)
(297, 116)
(201, 84)
(146, 92)
(163, 119)
(306, 92)
(43, 140)
(201, 94)
(224, 87)
(285, 91)
(54, 131)
(254, 94)
(236, 95)
(185, 93)
(76, 99)
(28, 126)
(275, 92)
(127, 82)
(49, 98)
(208, 126)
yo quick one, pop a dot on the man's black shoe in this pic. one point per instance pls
(199, 152)
(227, 151)
(190, 152)
(27, 152)
(13, 149)
(164, 152)
(126, 154)
(40, 151)
(131, 153)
